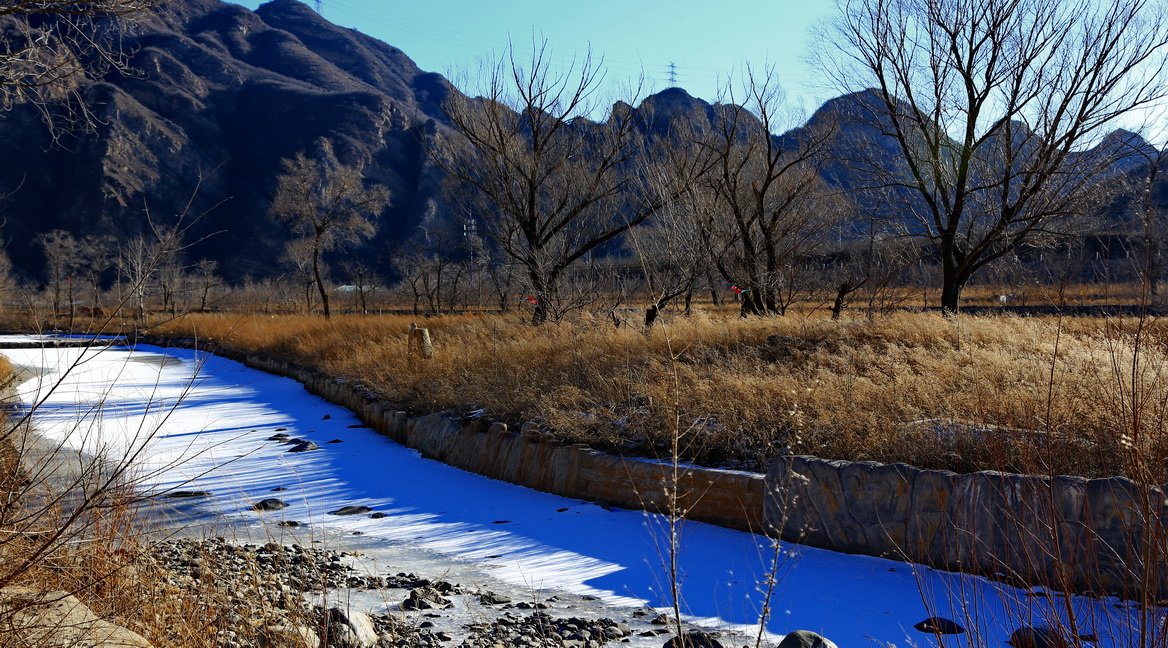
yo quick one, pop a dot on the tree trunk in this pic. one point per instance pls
(320, 283)
(951, 286)
(841, 297)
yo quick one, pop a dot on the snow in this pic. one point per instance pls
(193, 421)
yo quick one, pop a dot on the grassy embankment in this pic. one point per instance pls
(1002, 392)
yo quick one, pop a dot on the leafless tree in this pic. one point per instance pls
(298, 257)
(433, 263)
(97, 257)
(363, 281)
(327, 204)
(1144, 184)
(137, 263)
(205, 274)
(47, 45)
(62, 262)
(991, 104)
(548, 185)
(772, 207)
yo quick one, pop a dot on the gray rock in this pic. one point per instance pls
(805, 639)
(304, 446)
(1037, 637)
(187, 494)
(351, 510)
(353, 629)
(269, 504)
(940, 625)
(693, 639)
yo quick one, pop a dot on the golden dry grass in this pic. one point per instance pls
(1002, 392)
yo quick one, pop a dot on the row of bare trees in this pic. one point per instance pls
(994, 109)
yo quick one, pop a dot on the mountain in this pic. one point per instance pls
(220, 96)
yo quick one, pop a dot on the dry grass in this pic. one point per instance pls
(964, 394)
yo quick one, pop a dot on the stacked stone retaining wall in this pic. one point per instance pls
(1067, 532)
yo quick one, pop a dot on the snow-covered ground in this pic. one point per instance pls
(196, 422)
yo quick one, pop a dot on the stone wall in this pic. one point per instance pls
(1067, 532)
(532, 458)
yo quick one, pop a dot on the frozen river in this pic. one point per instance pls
(196, 422)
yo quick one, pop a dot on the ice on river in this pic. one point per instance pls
(197, 422)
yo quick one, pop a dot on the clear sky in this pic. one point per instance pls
(708, 41)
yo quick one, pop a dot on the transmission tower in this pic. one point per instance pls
(319, 6)
(673, 74)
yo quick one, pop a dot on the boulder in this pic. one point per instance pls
(351, 510)
(58, 620)
(269, 504)
(351, 629)
(1037, 637)
(939, 625)
(693, 639)
(805, 639)
(283, 635)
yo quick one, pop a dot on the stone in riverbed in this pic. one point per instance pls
(304, 446)
(693, 639)
(1037, 637)
(351, 510)
(187, 494)
(805, 639)
(269, 504)
(939, 625)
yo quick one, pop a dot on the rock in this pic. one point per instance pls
(353, 629)
(187, 494)
(693, 639)
(805, 639)
(351, 510)
(269, 504)
(283, 634)
(283, 436)
(940, 625)
(378, 515)
(491, 598)
(1037, 637)
(288, 523)
(424, 598)
(58, 619)
(304, 446)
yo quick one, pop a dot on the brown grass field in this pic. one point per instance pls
(1048, 395)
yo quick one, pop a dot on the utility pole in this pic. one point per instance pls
(672, 74)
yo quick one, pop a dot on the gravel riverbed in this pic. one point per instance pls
(282, 594)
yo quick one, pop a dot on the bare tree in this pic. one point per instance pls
(298, 257)
(772, 208)
(549, 185)
(97, 257)
(1144, 187)
(207, 279)
(990, 104)
(47, 45)
(363, 281)
(327, 204)
(62, 261)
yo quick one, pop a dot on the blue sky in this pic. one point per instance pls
(708, 41)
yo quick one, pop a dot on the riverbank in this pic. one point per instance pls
(1024, 395)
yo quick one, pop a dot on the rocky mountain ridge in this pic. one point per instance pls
(222, 94)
